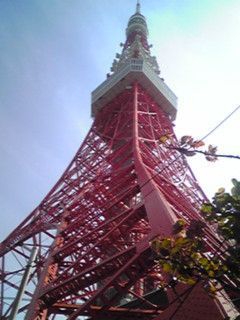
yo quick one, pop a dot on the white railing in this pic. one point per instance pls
(110, 82)
(135, 65)
(160, 84)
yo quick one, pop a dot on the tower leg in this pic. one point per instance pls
(36, 310)
(23, 285)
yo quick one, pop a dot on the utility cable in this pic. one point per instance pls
(220, 123)
(204, 137)
(181, 155)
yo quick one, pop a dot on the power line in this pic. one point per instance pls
(220, 123)
(180, 155)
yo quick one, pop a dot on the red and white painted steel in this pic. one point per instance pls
(93, 229)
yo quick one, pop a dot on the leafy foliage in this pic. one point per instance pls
(184, 255)
(190, 147)
(224, 211)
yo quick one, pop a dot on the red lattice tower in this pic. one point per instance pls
(84, 251)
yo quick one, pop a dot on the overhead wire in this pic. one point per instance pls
(203, 138)
(220, 123)
(181, 155)
(169, 164)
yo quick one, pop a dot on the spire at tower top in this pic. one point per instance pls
(138, 7)
(137, 26)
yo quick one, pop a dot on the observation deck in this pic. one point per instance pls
(140, 71)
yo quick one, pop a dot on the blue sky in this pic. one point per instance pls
(54, 53)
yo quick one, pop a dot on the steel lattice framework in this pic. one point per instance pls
(92, 231)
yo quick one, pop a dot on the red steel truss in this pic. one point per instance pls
(122, 189)
(91, 234)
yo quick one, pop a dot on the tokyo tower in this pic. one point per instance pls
(84, 252)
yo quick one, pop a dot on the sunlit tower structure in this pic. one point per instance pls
(84, 252)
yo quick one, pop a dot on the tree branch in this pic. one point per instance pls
(186, 152)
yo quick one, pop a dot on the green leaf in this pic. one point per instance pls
(225, 268)
(167, 267)
(235, 182)
(207, 208)
(211, 273)
(156, 245)
(196, 255)
(236, 189)
(204, 262)
(181, 241)
(166, 243)
(212, 289)
(190, 281)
